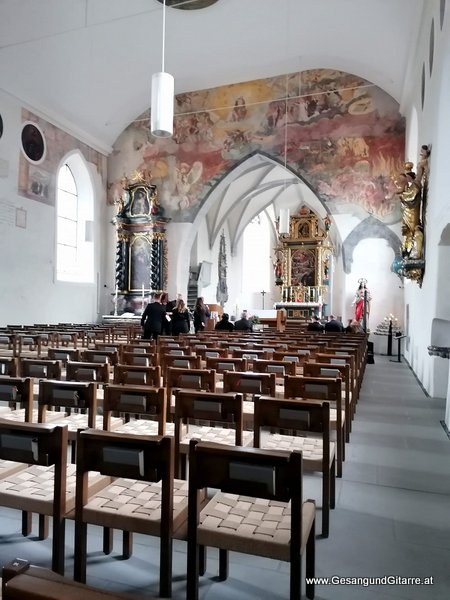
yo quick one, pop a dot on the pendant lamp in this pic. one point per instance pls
(161, 119)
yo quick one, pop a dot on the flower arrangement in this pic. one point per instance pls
(254, 320)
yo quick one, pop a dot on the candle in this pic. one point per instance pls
(117, 292)
(142, 291)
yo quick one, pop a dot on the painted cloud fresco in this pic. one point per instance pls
(341, 134)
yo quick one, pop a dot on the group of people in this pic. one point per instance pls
(332, 324)
(242, 324)
(164, 317)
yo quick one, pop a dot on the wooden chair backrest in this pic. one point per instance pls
(249, 383)
(322, 388)
(137, 375)
(40, 368)
(87, 371)
(220, 365)
(68, 395)
(18, 391)
(279, 367)
(135, 400)
(9, 366)
(100, 356)
(63, 354)
(139, 359)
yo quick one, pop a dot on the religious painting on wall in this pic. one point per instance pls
(303, 267)
(140, 263)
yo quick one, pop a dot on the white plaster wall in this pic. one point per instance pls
(433, 127)
(28, 290)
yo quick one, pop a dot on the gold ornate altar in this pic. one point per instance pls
(141, 250)
(303, 259)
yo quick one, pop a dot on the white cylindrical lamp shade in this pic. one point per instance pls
(284, 221)
(161, 120)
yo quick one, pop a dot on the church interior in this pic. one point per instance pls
(291, 166)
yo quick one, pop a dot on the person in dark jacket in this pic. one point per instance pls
(181, 320)
(224, 324)
(334, 325)
(243, 324)
(201, 315)
(153, 319)
(315, 325)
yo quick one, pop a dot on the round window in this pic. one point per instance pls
(33, 143)
(1, 126)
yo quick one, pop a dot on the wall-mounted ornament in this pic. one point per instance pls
(33, 142)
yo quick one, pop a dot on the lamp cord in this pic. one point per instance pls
(163, 35)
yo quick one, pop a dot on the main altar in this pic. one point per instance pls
(303, 265)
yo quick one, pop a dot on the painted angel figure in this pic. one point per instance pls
(185, 177)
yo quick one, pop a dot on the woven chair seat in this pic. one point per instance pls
(218, 435)
(251, 525)
(80, 421)
(133, 505)
(311, 448)
(18, 416)
(34, 486)
(144, 427)
(8, 467)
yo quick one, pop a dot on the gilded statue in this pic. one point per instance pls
(410, 191)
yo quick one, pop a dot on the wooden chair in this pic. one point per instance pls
(335, 360)
(237, 519)
(311, 422)
(22, 580)
(322, 388)
(313, 369)
(220, 411)
(41, 368)
(41, 487)
(137, 375)
(156, 503)
(192, 379)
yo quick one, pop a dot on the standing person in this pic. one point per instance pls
(334, 325)
(172, 303)
(201, 315)
(181, 320)
(153, 319)
(243, 324)
(167, 325)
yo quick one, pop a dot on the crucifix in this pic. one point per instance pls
(263, 293)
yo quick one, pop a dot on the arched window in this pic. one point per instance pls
(74, 229)
(256, 262)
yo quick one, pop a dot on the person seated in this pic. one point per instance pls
(349, 328)
(243, 324)
(224, 324)
(333, 324)
(315, 324)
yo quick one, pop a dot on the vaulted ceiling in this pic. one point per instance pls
(86, 65)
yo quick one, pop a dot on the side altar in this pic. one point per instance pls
(304, 258)
(141, 245)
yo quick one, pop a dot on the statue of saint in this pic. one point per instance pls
(409, 191)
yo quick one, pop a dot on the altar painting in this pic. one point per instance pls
(303, 267)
